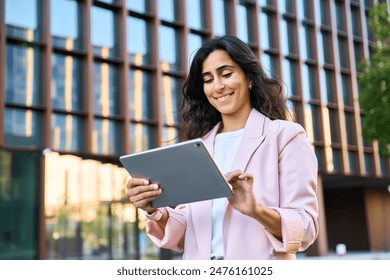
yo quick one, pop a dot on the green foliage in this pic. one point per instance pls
(374, 82)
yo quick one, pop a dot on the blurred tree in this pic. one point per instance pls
(374, 82)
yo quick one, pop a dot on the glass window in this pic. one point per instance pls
(19, 204)
(65, 35)
(141, 137)
(334, 126)
(306, 42)
(22, 84)
(168, 9)
(313, 122)
(343, 52)
(347, 90)
(287, 37)
(138, 41)
(194, 42)
(141, 6)
(309, 82)
(269, 64)
(22, 128)
(106, 89)
(353, 162)
(340, 16)
(337, 160)
(106, 137)
(267, 36)
(303, 9)
(66, 85)
(196, 14)
(356, 23)
(169, 48)
(350, 128)
(264, 3)
(328, 86)
(319, 151)
(324, 48)
(220, 13)
(66, 133)
(22, 22)
(169, 136)
(140, 95)
(290, 78)
(244, 22)
(170, 100)
(286, 6)
(103, 34)
(322, 10)
(369, 163)
(358, 54)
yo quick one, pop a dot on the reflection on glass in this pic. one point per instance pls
(167, 9)
(368, 163)
(220, 10)
(303, 9)
(106, 137)
(356, 24)
(22, 128)
(65, 35)
(169, 47)
(343, 52)
(22, 75)
(103, 34)
(287, 37)
(82, 219)
(269, 65)
(194, 42)
(350, 128)
(358, 54)
(292, 116)
(328, 85)
(106, 89)
(243, 19)
(195, 14)
(340, 15)
(324, 47)
(286, 6)
(140, 95)
(66, 82)
(170, 100)
(334, 126)
(306, 42)
(337, 160)
(353, 165)
(308, 82)
(141, 137)
(19, 185)
(290, 78)
(321, 7)
(264, 33)
(22, 22)
(139, 5)
(347, 90)
(312, 122)
(66, 133)
(169, 136)
(327, 139)
(138, 41)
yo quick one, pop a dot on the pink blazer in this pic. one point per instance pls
(284, 167)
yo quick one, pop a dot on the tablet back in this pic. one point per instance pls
(185, 171)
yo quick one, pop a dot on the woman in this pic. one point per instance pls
(241, 115)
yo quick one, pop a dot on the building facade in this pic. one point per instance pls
(85, 81)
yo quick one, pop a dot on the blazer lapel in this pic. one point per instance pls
(252, 138)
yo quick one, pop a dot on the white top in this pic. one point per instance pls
(225, 149)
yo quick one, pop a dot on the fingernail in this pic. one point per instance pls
(146, 182)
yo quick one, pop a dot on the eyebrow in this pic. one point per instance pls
(220, 68)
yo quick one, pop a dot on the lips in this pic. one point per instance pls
(224, 97)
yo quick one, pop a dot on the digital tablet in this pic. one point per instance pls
(186, 172)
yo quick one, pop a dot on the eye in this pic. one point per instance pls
(227, 75)
(207, 81)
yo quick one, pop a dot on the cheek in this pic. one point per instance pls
(207, 91)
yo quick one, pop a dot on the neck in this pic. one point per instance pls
(234, 122)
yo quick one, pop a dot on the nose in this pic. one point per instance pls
(218, 85)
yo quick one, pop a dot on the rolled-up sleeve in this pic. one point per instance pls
(173, 234)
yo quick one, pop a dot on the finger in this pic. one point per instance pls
(233, 175)
(245, 176)
(136, 190)
(133, 182)
(146, 195)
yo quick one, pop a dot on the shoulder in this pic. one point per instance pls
(283, 132)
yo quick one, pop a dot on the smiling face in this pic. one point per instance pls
(226, 85)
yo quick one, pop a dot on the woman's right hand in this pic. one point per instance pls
(140, 192)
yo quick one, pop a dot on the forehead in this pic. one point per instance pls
(215, 60)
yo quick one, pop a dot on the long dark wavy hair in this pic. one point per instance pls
(198, 116)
